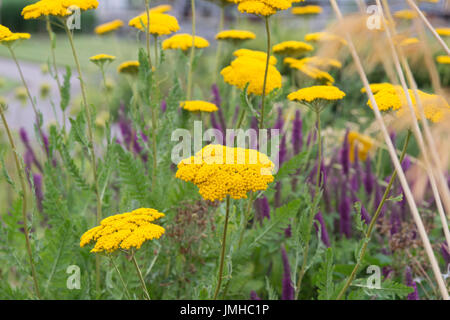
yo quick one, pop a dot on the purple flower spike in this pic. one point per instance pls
(411, 283)
(345, 155)
(324, 233)
(280, 122)
(262, 209)
(37, 180)
(217, 100)
(297, 133)
(288, 232)
(288, 289)
(406, 163)
(365, 215)
(368, 177)
(254, 295)
(163, 106)
(215, 124)
(344, 213)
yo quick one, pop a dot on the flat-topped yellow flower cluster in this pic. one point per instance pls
(109, 27)
(235, 35)
(183, 41)
(292, 47)
(60, 8)
(198, 106)
(314, 93)
(263, 7)
(219, 171)
(124, 231)
(160, 23)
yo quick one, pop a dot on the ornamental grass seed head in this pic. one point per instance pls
(59, 8)
(124, 231)
(219, 171)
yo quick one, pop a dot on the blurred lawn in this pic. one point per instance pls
(37, 49)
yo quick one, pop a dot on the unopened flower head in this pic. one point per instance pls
(124, 231)
(219, 171)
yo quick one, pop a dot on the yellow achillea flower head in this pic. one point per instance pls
(255, 54)
(14, 37)
(310, 70)
(183, 42)
(307, 10)
(160, 23)
(445, 32)
(262, 7)
(321, 62)
(409, 41)
(443, 59)
(162, 8)
(102, 59)
(235, 35)
(292, 47)
(362, 142)
(405, 14)
(390, 97)
(434, 106)
(314, 93)
(250, 70)
(375, 87)
(4, 32)
(198, 106)
(129, 67)
(109, 27)
(124, 231)
(219, 171)
(60, 8)
(324, 37)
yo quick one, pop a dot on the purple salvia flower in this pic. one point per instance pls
(345, 155)
(126, 131)
(222, 121)
(356, 178)
(254, 126)
(30, 156)
(28, 160)
(215, 124)
(393, 136)
(378, 197)
(406, 163)
(323, 230)
(368, 177)
(288, 232)
(411, 283)
(46, 143)
(395, 223)
(265, 208)
(217, 100)
(280, 122)
(254, 295)
(235, 115)
(283, 151)
(344, 213)
(37, 180)
(287, 288)
(365, 215)
(163, 106)
(297, 133)
(387, 271)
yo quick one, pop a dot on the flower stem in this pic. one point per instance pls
(192, 55)
(91, 144)
(138, 270)
(219, 44)
(317, 110)
(121, 278)
(147, 32)
(155, 47)
(373, 221)
(24, 202)
(247, 214)
(261, 123)
(222, 254)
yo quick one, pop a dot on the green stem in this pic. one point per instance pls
(91, 143)
(121, 278)
(219, 44)
(261, 124)
(241, 118)
(247, 214)
(155, 45)
(222, 254)
(138, 270)
(147, 31)
(108, 100)
(192, 55)
(24, 202)
(312, 214)
(155, 160)
(373, 221)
